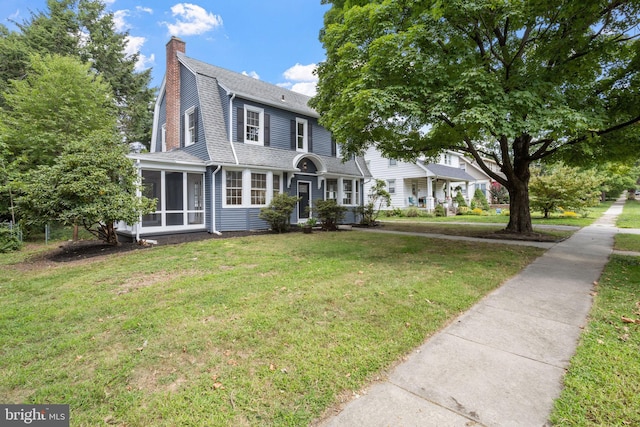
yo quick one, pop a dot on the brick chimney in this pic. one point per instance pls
(172, 89)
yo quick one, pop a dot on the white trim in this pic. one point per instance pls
(163, 137)
(260, 112)
(187, 130)
(305, 135)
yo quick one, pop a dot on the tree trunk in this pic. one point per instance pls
(75, 232)
(519, 213)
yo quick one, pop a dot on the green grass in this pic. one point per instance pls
(536, 218)
(630, 217)
(627, 242)
(269, 330)
(602, 386)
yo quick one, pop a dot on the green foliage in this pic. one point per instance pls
(459, 199)
(440, 211)
(9, 240)
(563, 186)
(61, 100)
(480, 200)
(412, 212)
(84, 30)
(329, 213)
(91, 183)
(376, 198)
(278, 213)
(514, 81)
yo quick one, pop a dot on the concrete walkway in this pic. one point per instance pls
(502, 362)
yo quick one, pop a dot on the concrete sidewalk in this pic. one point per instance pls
(502, 362)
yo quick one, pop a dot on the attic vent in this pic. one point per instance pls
(282, 98)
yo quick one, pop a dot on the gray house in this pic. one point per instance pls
(224, 143)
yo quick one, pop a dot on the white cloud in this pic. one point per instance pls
(144, 9)
(134, 45)
(305, 88)
(191, 20)
(119, 20)
(252, 74)
(301, 79)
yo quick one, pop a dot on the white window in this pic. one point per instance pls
(347, 191)
(190, 126)
(233, 185)
(446, 158)
(301, 135)
(253, 125)
(179, 195)
(163, 137)
(276, 184)
(391, 185)
(331, 190)
(258, 188)
(393, 162)
(356, 193)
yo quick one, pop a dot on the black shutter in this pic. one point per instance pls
(310, 147)
(240, 125)
(195, 123)
(267, 130)
(334, 148)
(181, 142)
(294, 144)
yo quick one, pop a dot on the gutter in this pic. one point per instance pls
(233, 149)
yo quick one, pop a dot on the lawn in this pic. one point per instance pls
(602, 386)
(536, 218)
(262, 330)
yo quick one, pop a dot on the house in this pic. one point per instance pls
(425, 184)
(224, 144)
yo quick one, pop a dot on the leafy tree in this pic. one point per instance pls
(377, 196)
(91, 183)
(459, 199)
(617, 177)
(83, 29)
(480, 200)
(278, 213)
(499, 194)
(561, 186)
(513, 81)
(58, 102)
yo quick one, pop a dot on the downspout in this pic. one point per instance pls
(233, 149)
(213, 201)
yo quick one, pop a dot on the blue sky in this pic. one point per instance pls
(273, 40)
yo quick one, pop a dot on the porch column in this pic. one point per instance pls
(430, 205)
(469, 193)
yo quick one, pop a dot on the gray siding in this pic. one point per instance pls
(189, 98)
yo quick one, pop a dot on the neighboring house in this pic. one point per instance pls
(426, 184)
(224, 143)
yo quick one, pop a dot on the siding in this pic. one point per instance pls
(162, 119)
(188, 99)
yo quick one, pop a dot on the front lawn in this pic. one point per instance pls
(602, 386)
(630, 217)
(263, 330)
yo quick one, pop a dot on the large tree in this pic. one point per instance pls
(510, 80)
(83, 29)
(60, 146)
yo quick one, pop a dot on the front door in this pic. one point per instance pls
(304, 192)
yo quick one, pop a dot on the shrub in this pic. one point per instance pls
(330, 213)
(481, 200)
(464, 210)
(569, 214)
(439, 211)
(505, 212)
(412, 212)
(9, 240)
(477, 211)
(278, 213)
(459, 199)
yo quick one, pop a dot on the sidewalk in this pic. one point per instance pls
(501, 363)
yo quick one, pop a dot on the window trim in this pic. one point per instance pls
(305, 135)
(264, 190)
(190, 137)
(260, 112)
(391, 189)
(163, 137)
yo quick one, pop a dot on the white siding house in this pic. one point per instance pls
(425, 184)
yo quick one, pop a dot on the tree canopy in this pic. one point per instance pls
(84, 30)
(514, 81)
